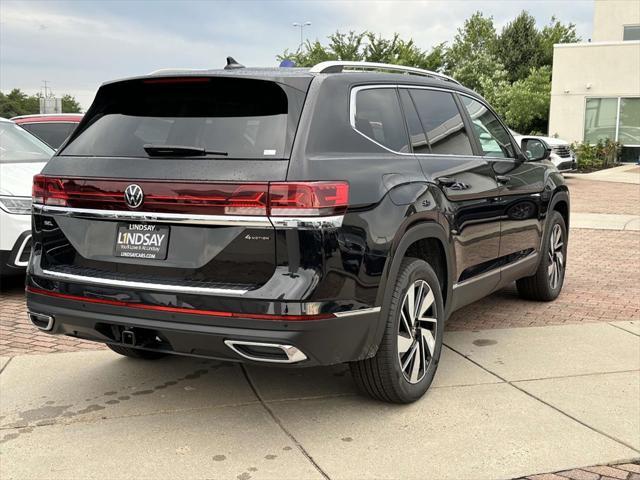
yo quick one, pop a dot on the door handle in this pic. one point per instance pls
(451, 183)
(502, 179)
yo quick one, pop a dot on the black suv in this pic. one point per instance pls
(291, 217)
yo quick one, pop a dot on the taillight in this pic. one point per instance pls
(277, 198)
(308, 198)
(48, 191)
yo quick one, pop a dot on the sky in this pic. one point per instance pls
(77, 45)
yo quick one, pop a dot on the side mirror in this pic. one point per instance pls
(535, 149)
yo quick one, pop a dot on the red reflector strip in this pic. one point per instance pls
(191, 311)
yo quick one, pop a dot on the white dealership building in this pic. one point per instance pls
(595, 92)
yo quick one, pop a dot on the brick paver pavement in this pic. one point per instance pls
(601, 285)
(592, 196)
(626, 471)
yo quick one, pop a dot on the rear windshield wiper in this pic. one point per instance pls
(179, 151)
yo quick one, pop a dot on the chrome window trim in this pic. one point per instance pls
(89, 213)
(17, 261)
(352, 118)
(141, 285)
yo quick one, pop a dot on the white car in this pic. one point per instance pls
(21, 157)
(562, 156)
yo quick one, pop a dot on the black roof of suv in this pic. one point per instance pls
(291, 216)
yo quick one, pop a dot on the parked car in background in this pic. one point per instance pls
(53, 129)
(562, 155)
(21, 157)
(298, 217)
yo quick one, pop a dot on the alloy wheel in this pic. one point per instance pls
(417, 331)
(556, 256)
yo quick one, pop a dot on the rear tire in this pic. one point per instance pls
(404, 366)
(545, 285)
(136, 352)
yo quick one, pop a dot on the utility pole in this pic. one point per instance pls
(45, 87)
(301, 26)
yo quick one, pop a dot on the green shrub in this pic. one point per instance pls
(603, 154)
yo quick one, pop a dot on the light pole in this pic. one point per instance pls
(301, 26)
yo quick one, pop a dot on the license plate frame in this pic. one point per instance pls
(143, 241)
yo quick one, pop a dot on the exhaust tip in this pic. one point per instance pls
(266, 352)
(41, 320)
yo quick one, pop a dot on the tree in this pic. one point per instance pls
(16, 102)
(476, 36)
(366, 46)
(518, 46)
(472, 58)
(524, 105)
(70, 104)
(555, 32)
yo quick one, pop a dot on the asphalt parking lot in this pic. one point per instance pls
(523, 388)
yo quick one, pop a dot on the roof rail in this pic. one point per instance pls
(341, 66)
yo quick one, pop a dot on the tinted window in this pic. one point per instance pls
(53, 134)
(416, 131)
(16, 145)
(378, 116)
(442, 122)
(493, 137)
(244, 118)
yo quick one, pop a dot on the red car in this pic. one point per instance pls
(53, 129)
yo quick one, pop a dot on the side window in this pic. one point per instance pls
(442, 122)
(378, 117)
(416, 131)
(492, 136)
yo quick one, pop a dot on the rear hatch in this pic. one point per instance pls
(165, 182)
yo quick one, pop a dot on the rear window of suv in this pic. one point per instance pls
(245, 118)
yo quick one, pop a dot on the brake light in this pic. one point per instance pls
(277, 198)
(308, 198)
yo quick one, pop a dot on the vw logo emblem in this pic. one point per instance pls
(133, 195)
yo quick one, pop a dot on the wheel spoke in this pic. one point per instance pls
(404, 344)
(430, 340)
(410, 355)
(560, 258)
(410, 301)
(418, 300)
(405, 323)
(427, 302)
(417, 363)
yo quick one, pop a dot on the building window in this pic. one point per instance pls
(616, 118)
(631, 32)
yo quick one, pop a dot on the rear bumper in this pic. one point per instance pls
(341, 339)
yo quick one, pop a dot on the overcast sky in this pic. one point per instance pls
(76, 45)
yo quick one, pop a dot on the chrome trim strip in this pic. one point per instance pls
(141, 285)
(17, 261)
(307, 223)
(293, 354)
(528, 258)
(88, 213)
(362, 311)
(49, 319)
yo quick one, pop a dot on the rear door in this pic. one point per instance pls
(468, 185)
(521, 184)
(123, 212)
